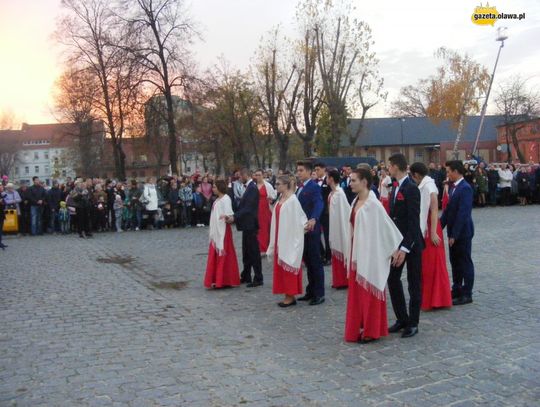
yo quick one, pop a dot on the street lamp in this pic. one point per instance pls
(401, 148)
(501, 36)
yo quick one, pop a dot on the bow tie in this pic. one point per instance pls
(301, 185)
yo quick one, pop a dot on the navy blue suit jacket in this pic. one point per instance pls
(312, 203)
(406, 214)
(246, 215)
(457, 215)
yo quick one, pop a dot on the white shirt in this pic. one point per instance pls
(456, 184)
(399, 186)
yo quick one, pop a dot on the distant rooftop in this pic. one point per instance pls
(386, 131)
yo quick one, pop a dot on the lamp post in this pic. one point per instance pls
(401, 148)
(501, 36)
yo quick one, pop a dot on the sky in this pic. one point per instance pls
(406, 36)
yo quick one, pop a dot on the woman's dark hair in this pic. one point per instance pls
(399, 161)
(221, 186)
(364, 173)
(334, 174)
(456, 165)
(419, 168)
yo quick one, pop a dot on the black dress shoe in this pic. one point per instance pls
(2, 246)
(316, 301)
(462, 300)
(305, 298)
(254, 284)
(285, 305)
(366, 340)
(409, 331)
(398, 326)
(455, 295)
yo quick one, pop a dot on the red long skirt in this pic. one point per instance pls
(339, 273)
(435, 281)
(222, 271)
(386, 204)
(366, 314)
(265, 219)
(285, 282)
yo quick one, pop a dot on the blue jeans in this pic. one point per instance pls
(53, 221)
(36, 213)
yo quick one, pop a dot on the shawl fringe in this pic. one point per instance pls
(374, 291)
(288, 267)
(220, 252)
(338, 256)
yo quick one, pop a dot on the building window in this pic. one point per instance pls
(46, 169)
(27, 170)
(64, 173)
(36, 169)
(47, 155)
(36, 155)
(419, 155)
(16, 170)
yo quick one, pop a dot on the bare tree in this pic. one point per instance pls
(279, 84)
(75, 100)
(412, 101)
(9, 146)
(346, 60)
(165, 30)
(92, 32)
(517, 104)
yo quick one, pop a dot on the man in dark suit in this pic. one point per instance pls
(405, 212)
(320, 170)
(345, 183)
(246, 219)
(460, 230)
(309, 195)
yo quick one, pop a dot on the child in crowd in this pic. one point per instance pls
(118, 209)
(63, 217)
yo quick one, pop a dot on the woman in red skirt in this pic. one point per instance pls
(222, 264)
(436, 291)
(287, 242)
(267, 194)
(374, 238)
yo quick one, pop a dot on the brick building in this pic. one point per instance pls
(528, 136)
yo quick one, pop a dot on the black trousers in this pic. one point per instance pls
(462, 267)
(83, 220)
(414, 276)
(326, 253)
(251, 257)
(313, 262)
(24, 221)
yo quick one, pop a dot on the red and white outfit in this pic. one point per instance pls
(374, 238)
(436, 291)
(385, 186)
(265, 215)
(222, 264)
(339, 236)
(287, 246)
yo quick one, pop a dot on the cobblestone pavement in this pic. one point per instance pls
(124, 320)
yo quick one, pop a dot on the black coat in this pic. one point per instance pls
(325, 191)
(54, 196)
(37, 193)
(246, 215)
(405, 212)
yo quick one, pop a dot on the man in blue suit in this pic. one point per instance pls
(247, 221)
(310, 197)
(460, 230)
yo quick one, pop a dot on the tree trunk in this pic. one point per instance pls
(461, 124)
(515, 142)
(171, 129)
(283, 147)
(308, 152)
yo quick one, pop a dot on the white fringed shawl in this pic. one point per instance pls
(290, 239)
(339, 236)
(426, 187)
(376, 237)
(218, 227)
(270, 191)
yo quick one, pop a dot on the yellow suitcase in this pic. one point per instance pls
(11, 223)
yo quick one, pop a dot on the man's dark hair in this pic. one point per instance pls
(308, 165)
(364, 173)
(399, 160)
(319, 164)
(245, 171)
(419, 168)
(334, 174)
(456, 165)
(35, 177)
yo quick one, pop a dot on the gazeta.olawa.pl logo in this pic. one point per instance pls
(487, 15)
